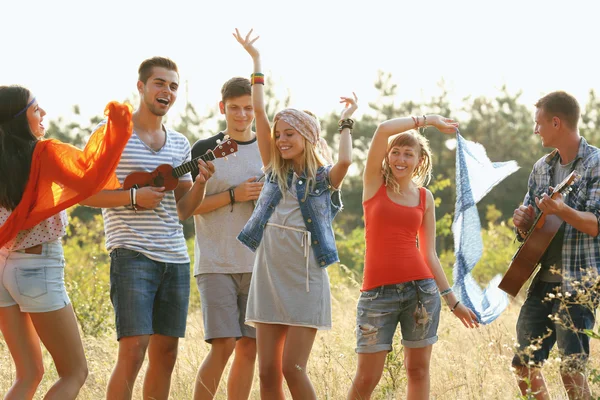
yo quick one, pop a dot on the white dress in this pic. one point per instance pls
(285, 288)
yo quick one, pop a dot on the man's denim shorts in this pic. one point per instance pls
(148, 296)
(533, 323)
(415, 305)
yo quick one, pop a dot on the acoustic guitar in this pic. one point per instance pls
(537, 240)
(168, 177)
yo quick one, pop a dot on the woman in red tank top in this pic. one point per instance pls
(403, 278)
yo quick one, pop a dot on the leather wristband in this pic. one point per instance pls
(232, 198)
(346, 123)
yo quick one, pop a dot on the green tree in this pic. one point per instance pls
(504, 127)
(192, 125)
(502, 124)
(590, 120)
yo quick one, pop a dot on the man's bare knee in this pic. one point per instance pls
(132, 351)
(246, 348)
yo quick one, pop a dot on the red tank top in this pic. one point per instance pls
(391, 230)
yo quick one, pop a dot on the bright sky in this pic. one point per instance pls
(87, 52)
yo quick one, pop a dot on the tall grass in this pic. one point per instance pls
(466, 364)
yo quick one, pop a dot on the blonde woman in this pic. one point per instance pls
(291, 232)
(403, 277)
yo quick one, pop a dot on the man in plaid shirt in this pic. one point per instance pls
(572, 260)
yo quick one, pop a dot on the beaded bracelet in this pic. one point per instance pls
(416, 121)
(258, 78)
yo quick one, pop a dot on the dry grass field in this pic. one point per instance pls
(466, 364)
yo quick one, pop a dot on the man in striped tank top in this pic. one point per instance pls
(150, 265)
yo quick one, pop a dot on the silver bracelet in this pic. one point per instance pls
(133, 195)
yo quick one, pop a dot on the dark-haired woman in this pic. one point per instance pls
(40, 178)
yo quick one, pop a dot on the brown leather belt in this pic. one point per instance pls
(32, 250)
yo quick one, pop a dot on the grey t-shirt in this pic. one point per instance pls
(552, 258)
(216, 248)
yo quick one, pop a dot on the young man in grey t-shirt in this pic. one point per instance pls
(223, 266)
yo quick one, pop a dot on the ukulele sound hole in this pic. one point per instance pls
(158, 181)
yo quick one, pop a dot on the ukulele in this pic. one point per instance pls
(168, 177)
(534, 245)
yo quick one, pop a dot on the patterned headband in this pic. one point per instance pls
(305, 124)
(308, 126)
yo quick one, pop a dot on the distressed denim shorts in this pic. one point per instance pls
(36, 282)
(148, 296)
(537, 334)
(415, 305)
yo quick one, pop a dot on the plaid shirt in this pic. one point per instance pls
(580, 251)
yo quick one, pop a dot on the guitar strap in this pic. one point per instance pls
(553, 176)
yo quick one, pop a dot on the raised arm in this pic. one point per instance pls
(263, 127)
(340, 168)
(372, 176)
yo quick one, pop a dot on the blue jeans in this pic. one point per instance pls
(533, 323)
(148, 296)
(415, 305)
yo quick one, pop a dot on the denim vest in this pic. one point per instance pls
(318, 209)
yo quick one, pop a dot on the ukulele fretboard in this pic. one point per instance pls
(192, 165)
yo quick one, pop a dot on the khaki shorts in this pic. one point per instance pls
(224, 298)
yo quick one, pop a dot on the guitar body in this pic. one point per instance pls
(162, 176)
(528, 255)
(535, 244)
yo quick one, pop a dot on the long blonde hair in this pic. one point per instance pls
(280, 168)
(422, 173)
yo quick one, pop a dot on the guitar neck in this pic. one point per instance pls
(192, 165)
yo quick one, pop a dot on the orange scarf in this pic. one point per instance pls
(62, 175)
